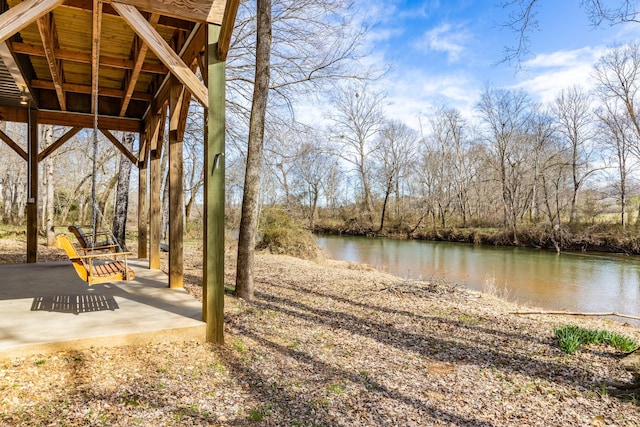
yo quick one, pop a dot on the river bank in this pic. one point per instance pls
(334, 344)
(587, 238)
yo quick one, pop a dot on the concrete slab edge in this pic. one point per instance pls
(190, 333)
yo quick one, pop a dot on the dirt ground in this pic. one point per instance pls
(329, 343)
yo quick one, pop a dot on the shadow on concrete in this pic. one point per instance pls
(74, 304)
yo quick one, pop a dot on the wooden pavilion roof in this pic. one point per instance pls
(67, 56)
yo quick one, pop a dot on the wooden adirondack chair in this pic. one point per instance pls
(85, 242)
(93, 273)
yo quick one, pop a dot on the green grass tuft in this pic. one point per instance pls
(571, 337)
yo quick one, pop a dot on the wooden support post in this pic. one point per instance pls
(155, 214)
(32, 187)
(143, 212)
(176, 210)
(214, 167)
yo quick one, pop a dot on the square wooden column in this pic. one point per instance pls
(213, 268)
(176, 196)
(32, 186)
(155, 179)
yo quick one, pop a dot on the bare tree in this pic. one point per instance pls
(523, 20)
(573, 111)
(311, 167)
(618, 134)
(313, 43)
(193, 162)
(448, 130)
(331, 184)
(13, 178)
(49, 190)
(618, 77)
(249, 219)
(397, 147)
(506, 114)
(357, 119)
(282, 152)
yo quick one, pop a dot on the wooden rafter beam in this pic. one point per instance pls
(85, 58)
(49, 36)
(65, 118)
(162, 50)
(226, 28)
(189, 53)
(140, 52)
(53, 147)
(102, 91)
(95, 53)
(14, 146)
(119, 146)
(210, 11)
(23, 14)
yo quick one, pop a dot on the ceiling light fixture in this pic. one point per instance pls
(24, 100)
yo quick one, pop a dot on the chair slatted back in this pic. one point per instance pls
(80, 266)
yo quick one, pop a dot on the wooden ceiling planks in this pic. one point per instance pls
(57, 41)
(139, 52)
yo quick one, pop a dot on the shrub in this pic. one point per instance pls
(282, 235)
(570, 338)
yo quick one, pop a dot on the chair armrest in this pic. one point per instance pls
(98, 248)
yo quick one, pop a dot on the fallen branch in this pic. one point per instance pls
(576, 313)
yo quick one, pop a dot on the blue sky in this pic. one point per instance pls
(446, 51)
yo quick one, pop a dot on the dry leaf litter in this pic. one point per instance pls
(330, 343)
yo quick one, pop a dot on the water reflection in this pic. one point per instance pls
(569, 281)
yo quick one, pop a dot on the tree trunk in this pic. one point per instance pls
(122, 195)
(285, 184)
(164, 224)
(47, 204)
(314, 206)
(20, 199)
(384, 203)
(103, 201)
(67, 208)
(368, 202)
(249, 220)
(189, 206)
(7, 198)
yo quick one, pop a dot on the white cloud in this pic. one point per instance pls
(547, 74)
(565, 58)
(445, 38)
(422, 10)
(414, 93)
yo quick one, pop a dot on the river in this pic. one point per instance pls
(567, 281)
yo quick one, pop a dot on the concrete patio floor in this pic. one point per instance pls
(46, 308)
